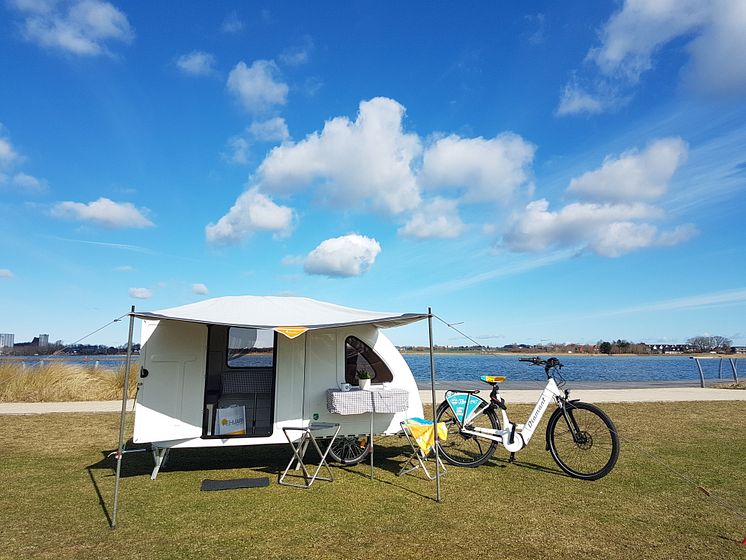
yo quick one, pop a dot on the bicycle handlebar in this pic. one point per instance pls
(550, 363)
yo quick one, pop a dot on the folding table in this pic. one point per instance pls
(299, 448)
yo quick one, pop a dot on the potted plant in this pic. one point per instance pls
(363, 377)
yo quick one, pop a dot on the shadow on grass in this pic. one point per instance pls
(267, 459)
(100, 496)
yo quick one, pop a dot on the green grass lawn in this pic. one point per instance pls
(56, 491)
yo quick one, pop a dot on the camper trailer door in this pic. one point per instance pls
(170, 399)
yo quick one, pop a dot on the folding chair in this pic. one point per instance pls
(299, 448)
(419, 434)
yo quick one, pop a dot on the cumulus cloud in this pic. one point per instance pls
(104, 212)
(437, 218)
(484, 169)
(368, 161)
(5, 273)
(257, 87)
(253, 211)
(196, 63)
(270, 130)
(349, 255)
(140, 293)
(80, 27)
(199, 289)
(609, 230)
(634, 175)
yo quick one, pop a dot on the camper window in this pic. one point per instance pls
(250, 347)
(361, 357)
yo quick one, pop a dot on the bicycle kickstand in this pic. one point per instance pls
(512, 457)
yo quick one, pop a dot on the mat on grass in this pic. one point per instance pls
(210, 485)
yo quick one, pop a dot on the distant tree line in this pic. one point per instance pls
(27, 349)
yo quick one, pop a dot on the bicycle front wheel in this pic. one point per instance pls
(583, 440)
(466, 450)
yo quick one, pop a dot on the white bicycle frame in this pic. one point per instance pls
(468, 409)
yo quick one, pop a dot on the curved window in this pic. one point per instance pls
(360, 357)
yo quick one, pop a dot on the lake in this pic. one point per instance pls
(463, 370)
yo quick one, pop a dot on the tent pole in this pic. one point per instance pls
(125, 390)
(432, 388)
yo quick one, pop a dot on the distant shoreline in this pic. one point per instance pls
(579, 355)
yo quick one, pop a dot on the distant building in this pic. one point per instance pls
(7, 340)
(43, 340)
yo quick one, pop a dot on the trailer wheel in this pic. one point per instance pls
(349, 450)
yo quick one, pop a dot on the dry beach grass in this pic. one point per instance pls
(56, 382)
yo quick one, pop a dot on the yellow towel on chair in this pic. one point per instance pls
(422, 432)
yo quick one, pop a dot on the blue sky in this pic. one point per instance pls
(539, 171)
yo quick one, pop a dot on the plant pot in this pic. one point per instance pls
(364, 384)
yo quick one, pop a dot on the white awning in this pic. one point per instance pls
(272, 312)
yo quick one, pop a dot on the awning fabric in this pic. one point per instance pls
(272, 312)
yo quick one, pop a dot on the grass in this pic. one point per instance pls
(62, 382)
(58, 487)
(731, 385)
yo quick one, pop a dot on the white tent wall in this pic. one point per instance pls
(169, 408)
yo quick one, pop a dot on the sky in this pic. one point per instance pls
(536, 172)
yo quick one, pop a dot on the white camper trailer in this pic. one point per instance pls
(236, 370)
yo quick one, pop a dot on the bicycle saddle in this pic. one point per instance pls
(493, 379)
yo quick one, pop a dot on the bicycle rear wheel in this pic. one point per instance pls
(584, 444)
(349, 450)
(466, 450)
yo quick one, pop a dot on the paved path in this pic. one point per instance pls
(657, 394)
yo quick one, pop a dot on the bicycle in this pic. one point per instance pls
(581, 438)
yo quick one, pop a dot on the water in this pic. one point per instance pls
(468, 367)
(606, 369)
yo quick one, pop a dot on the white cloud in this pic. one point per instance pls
(576, 100)
(609, 230)
(633, 34)
(271, 130)
(437, 218)
(27, 183)
(6, 273)
(295, 56)
(196, 63)
(717, 63)
(199, 289)
(252, 211)
(238, 148)
(140, 293)
(104, 212)
(125, 268)
(81, 27)
(8, 155)
(485, 170)
(353, 163)
(634, 175)
(257, 87)
(711, 32)
(349, 255)
(232, 23)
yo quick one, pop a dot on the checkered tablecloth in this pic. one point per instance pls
(357, 401)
